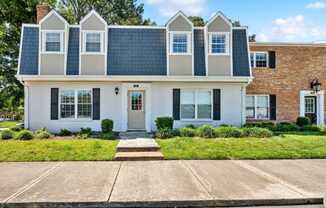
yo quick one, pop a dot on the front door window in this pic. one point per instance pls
(136, 101)
(310, 108)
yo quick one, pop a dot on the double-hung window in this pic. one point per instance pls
(75, 104)
(218, 43)
(93, 42)
(259, 59)
(257, 107)
(52, 41)
(196, 104)
(180, 43)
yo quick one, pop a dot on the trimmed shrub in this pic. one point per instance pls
(303, 121)
(226, 132)
(286, 126)
(205, 131)
(165, 133)
(164, 123)
(257, 132)
(267, 125)
(25, 135)
(311, 128)
(107, 125)
(42, 134)
(108, 136)
(6, 134)
(225, 125)
(187, 132)
(65, 132)
(16, 128)
(85, 131)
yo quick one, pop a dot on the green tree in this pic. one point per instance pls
(197, 21)
(252, 38)
(121, 12)
(236, 24)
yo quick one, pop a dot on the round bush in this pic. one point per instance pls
(164, 123)
(187, 132)
(286, 127)
(205, 131)
(226, 132)
(85, 131)
(257, 132)
(65, 132)
(303, 121)
(107, 125)
(25, 135)
(6, 134)
(42, 134)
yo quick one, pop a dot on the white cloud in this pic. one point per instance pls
(292, 29)
(316, 5)
(170, 7)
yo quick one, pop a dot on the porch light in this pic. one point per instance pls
(315, 85)
(116, 90)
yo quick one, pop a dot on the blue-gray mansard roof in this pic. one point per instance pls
(133, 51)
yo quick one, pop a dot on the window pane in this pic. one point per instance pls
(309, 105)
(261, 60)
(252, 61)
(52, 42)
(84, 104)
(136, 101)
(262, 107)
(93, 42)
(204, 106)
(180, 43)
(67, 105)
(218, 44)
(187, 104)
(250, 107)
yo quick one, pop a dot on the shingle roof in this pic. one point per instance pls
(241, 65)
(73, 52)
(199, 52)
(29, 51)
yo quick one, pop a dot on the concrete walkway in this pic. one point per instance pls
(163, 183)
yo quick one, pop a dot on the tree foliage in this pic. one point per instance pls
(197, 21)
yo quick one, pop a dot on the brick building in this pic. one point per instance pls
(283, 73)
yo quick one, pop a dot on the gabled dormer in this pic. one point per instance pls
(93, 45)
(218, 46)
(53, 39)
(180, 61)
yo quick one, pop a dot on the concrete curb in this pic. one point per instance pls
(168, 204)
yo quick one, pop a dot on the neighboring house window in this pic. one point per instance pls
(180, 43)
(52, 41)
(196, 104)
(259, 59)
(75, 104)
(257, 107)
(93, 42)
(219, 43)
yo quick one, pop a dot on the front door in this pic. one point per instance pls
(311, 108)
(136, 110)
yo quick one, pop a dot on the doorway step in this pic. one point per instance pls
(138, 149)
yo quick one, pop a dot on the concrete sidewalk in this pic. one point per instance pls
(163, 183)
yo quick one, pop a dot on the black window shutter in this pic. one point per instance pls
(96, 104)
(272, 59)
(54, 103)
(272, 107)
(216, 104)
(176, 104)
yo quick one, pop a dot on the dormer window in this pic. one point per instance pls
(93, 42)
(219, 43)
(52, 42)
(180, 43)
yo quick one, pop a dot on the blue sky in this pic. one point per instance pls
(282, 20)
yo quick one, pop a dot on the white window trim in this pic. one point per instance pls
(227, 43)
(255, 107)
(189, 42)
(75, 105)
(196, 103)
(267, 59)
(102, 52)
(62, 49)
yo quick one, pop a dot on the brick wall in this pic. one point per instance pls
(296, 67)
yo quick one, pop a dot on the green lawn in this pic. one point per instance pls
(57, 150)
(8, 124)
(288, 146)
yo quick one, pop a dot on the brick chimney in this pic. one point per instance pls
(42, 10)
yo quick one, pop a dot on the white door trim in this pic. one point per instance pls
(320, 104)
(146, 87)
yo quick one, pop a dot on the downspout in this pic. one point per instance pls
(26, 106)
